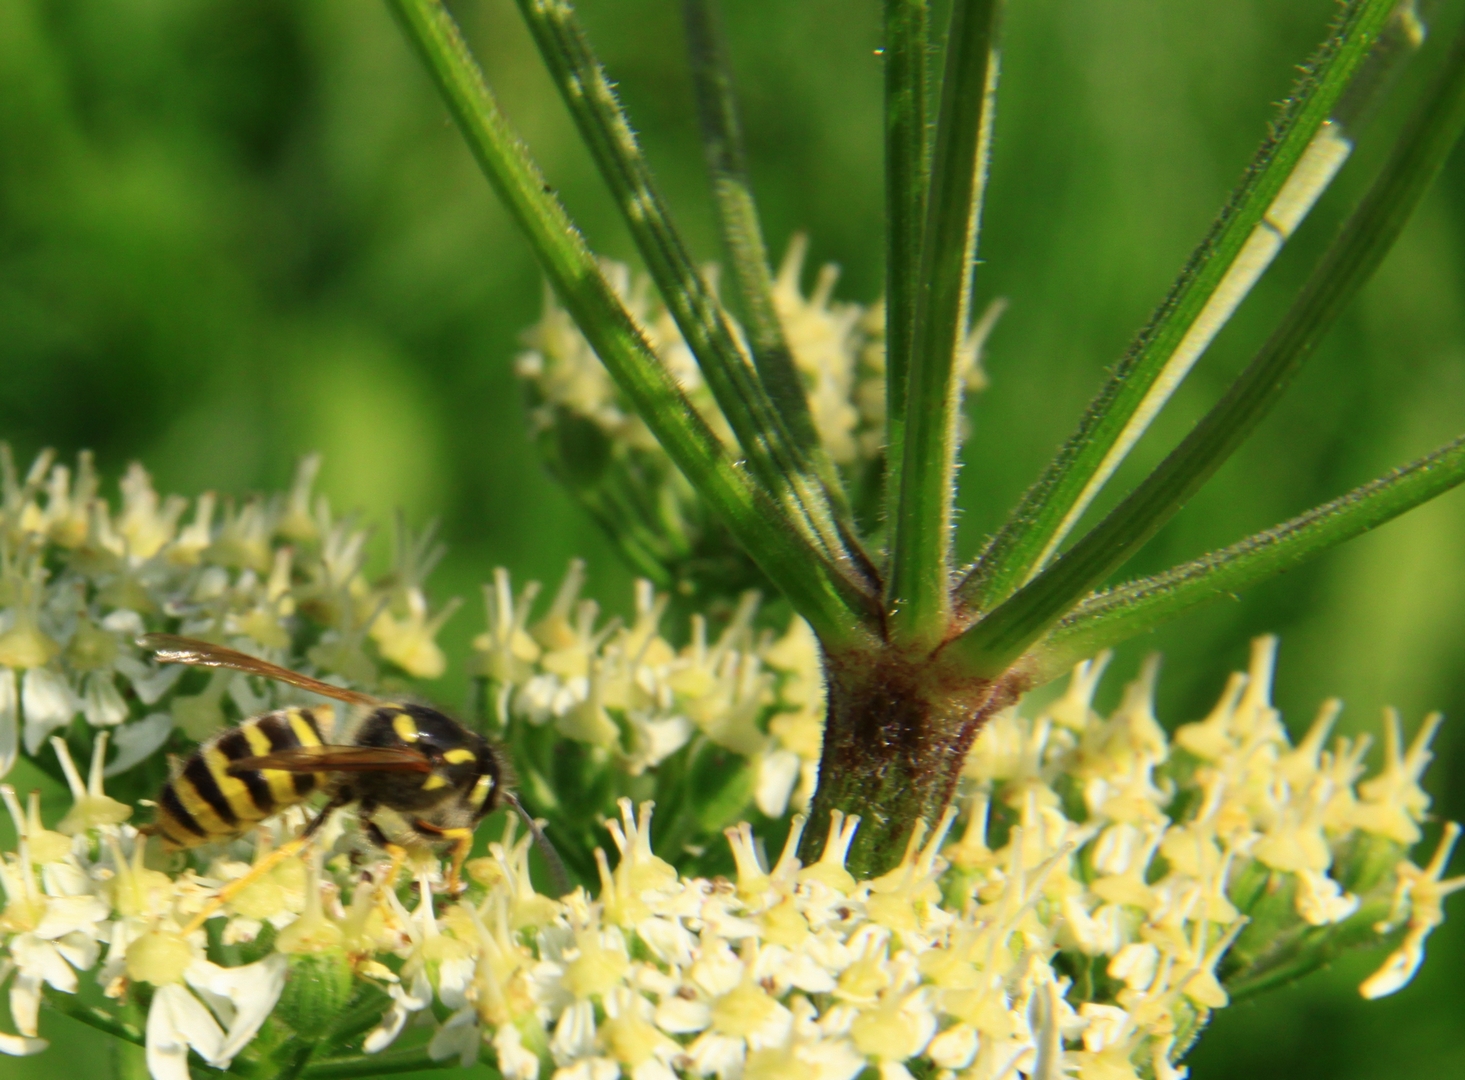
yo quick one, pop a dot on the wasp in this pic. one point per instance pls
(416, 776)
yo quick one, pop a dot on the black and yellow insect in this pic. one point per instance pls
(415, 775)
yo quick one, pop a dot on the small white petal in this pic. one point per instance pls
(151, 683)
(385, 1033)
(420, 996)
(79, 950)
(39, 958)
(101, 702)
(124, 621)
(21, 1045)
(574, 1035)
(453, 979)
(458, 1037)
(718, 1054)
(515, 1062)
(48, 703)
(670, 941)
(25, 1003)
(9, 722)
(67, 878)
(1397, 970)
(177, 1020)
(595, 1068)
(894, 1070)
(69, 914)
(777, 774)
(954, 1048)
(138, 741)
(251, 991)
(678, 1016)
(652, 1069)
(1105, 1025)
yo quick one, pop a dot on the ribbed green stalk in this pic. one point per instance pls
(1138, 606)
(918, 592)
(773, 453)
(991, 645)
(742, 237)
(907, 183)
(1289, 171)
(812, 584)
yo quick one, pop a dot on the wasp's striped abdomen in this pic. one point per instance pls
(204, 803)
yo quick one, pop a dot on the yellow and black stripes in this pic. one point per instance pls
(203, 802)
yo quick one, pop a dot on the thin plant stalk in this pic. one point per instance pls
(1288, 174)
(772, 450)
(918, 593)
(1139, 606)
(998, 640)
(817, 590)
(907, 181)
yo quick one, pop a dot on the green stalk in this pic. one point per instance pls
(918, 596)
(1290, 170)
(991, 645)
(907, 184)
(1138, 606)
(103, 1021)
(742, 236)
(812, 584)
(384, 1064)
(772, 451)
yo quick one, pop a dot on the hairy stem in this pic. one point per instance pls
(918, 593)
(998, 640)
(814, 586)
(1290, 170)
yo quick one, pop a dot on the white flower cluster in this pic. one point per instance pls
(838, 348)
(607, 458)
(627, 691)
(1107, 888)
(80, 579)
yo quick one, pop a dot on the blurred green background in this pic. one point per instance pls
(234, 231)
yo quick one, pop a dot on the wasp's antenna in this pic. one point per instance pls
(559, 876)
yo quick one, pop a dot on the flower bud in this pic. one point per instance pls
(317, 988)
(159, 957)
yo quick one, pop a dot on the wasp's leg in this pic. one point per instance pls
(462, 841)
(397, 852)
(265, 865)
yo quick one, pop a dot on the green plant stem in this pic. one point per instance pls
(1290, 170)
(103, 1021)
(397, 1061)
(742, 236)
(918, 596)
(990, 646)
(70, 1005)
(773, 453)
(1138, 606)
(907, 181)
(817, 590)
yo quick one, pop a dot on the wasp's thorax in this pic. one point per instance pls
(466, 774)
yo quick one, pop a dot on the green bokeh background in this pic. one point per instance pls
(234, 231)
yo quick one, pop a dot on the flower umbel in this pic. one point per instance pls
(1042, 936)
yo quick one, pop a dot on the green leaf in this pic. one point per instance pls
(1138, 606)
(918, 594)
(772, 451)
(996, 641)
(835, 609)
(907, 181)
(1289, 171)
